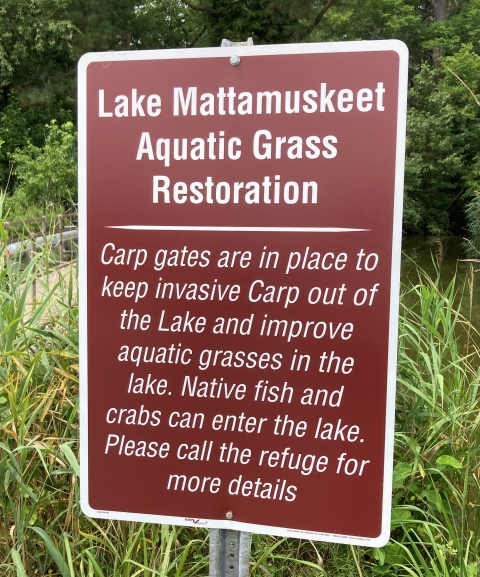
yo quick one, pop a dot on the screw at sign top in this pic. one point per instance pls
(235, 60)
(229, 515)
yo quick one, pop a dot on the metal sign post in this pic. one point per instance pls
(229, 553)
(229, 550)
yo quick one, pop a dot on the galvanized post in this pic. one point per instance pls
(230, 550)
(229, 44)
(229, 553)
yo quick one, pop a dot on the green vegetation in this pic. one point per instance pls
(41, 42)
(436, 515)
(436, 477)
(46, 177)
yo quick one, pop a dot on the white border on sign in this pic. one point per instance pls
(247, 51)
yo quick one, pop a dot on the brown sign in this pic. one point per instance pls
(240, 244)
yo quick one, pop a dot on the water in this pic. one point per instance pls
(444, 255)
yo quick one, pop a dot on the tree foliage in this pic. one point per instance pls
(41, 40)
(47, 175)
(35, 38)
(434, 162)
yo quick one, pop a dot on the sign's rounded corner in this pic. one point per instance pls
(86, 509)
(85, 60)
(381, 540)
(400, 48)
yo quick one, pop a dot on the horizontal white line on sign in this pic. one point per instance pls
(241, 228)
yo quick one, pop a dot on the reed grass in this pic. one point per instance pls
(436, 515)
(437, 476)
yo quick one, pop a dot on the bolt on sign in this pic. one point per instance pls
(240, 250)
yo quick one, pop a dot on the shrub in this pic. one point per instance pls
(47, 176)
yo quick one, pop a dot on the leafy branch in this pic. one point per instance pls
(200, 8)
(316, 21)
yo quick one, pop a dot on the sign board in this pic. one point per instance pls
(239, 269)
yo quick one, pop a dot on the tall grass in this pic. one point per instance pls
(437, 475)
(436, 520)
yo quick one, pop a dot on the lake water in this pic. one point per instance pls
(444, 254)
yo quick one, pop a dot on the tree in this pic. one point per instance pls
(34, 43)
(37, 72)
(47, 175)
(434, 167)
(42, 39)
(127, 24)
(442, 144)
(266, 21)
